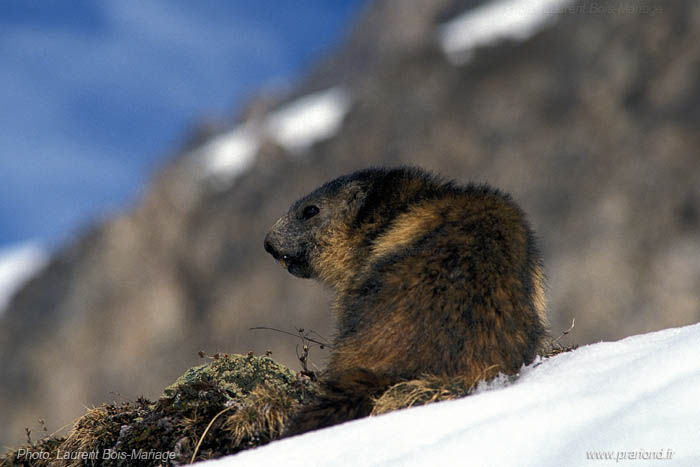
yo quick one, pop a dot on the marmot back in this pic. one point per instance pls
(430, 278)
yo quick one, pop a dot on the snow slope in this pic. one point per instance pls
(632, 402)
(18, 263)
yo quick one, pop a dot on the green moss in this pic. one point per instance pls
(234, 375)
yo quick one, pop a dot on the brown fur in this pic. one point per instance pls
(431, 278)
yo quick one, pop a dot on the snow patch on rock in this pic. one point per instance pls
(495, 21)
(308, 120)
(18, 264)
(296, 127)
(228, 155)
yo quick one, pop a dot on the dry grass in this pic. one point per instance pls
(265, 414)
(420, 392)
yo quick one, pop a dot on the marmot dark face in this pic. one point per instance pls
(299, 238)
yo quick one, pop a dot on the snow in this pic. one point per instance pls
(308, 120)
(295, 126)
(632, 400)
(228, 155)
(18, 263)
(494, 21)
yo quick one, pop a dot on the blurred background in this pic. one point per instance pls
(146, 148)
(97, 95)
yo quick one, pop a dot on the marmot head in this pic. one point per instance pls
(328, 233)
(316, 224)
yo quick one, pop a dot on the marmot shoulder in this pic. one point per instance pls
(431, 277)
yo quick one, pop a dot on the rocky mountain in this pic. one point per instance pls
(587, 112)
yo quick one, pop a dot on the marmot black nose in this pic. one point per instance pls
(270, 249)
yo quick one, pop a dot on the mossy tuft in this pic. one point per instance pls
(233, 403)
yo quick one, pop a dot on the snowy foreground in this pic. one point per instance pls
(631, 402)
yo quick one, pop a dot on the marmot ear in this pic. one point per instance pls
(356, 195)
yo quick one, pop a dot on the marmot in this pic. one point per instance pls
(431, 278)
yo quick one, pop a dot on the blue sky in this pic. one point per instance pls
(96, 93)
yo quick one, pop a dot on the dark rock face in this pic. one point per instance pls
(592, 124)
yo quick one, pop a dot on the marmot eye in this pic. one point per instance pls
(309, 212)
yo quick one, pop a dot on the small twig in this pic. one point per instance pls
(216, 356)
(325, 344)
(299, 332)
(573, 323)
(42, 422)
(63, 427)
(304, 359)
(206, 430)
(306, 342)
